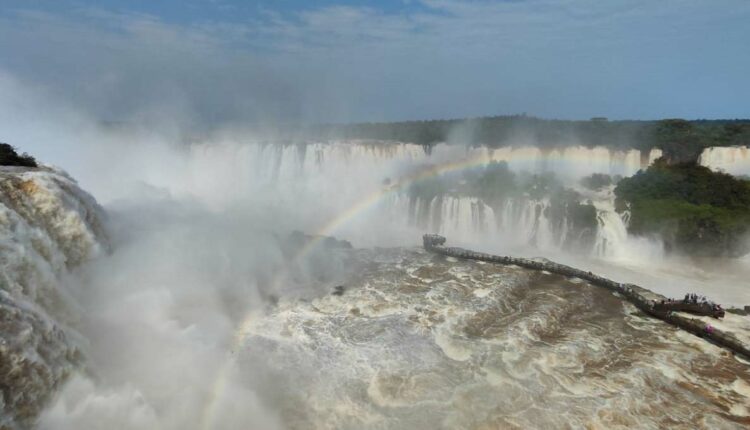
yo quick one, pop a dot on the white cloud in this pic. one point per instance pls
(444, 58)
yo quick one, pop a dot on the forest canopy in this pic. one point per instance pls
(695, 210)
(681, 140)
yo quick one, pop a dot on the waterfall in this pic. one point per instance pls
(525, 222)
(466, 217)
(48, 226)
(612, 240)
(520, 222)
(257, 162)
(324, 181)
(516, 222)
(611, 234)
(734, 160)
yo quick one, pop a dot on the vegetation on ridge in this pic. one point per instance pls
(9, 157)
(695, 210)
(495, 184)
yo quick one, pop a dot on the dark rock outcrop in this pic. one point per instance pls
(299, 238)
(9, 157)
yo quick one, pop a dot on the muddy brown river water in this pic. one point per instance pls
(423, 341)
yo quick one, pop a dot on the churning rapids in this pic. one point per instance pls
(420, 341)
(183, 302)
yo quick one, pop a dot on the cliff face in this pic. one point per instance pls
(48, 227)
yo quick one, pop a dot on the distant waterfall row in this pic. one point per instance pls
(520, 222)
(328, 180)
(270, 161)
(734, 160)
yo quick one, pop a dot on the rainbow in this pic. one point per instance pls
(369, 201)
(482, 159)
(331, 227)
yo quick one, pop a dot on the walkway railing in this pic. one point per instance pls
(642, 298)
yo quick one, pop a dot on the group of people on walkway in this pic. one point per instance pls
(691, 303)
(696, 299)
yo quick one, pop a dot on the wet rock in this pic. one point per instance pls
(300, 239)
(432, 240)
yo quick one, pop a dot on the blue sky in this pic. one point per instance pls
(191, 11)
(217, 61)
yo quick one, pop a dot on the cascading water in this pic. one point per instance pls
(473, 221)
(48, 226)
(304, 174)
(521, 222)
(734, 160)
(612, 233)
(156, 332)
(528, 219)
(612, 239)
(466, 217)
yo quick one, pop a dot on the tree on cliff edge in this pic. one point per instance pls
(9, 157)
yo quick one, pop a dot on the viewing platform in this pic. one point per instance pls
(732, 333)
